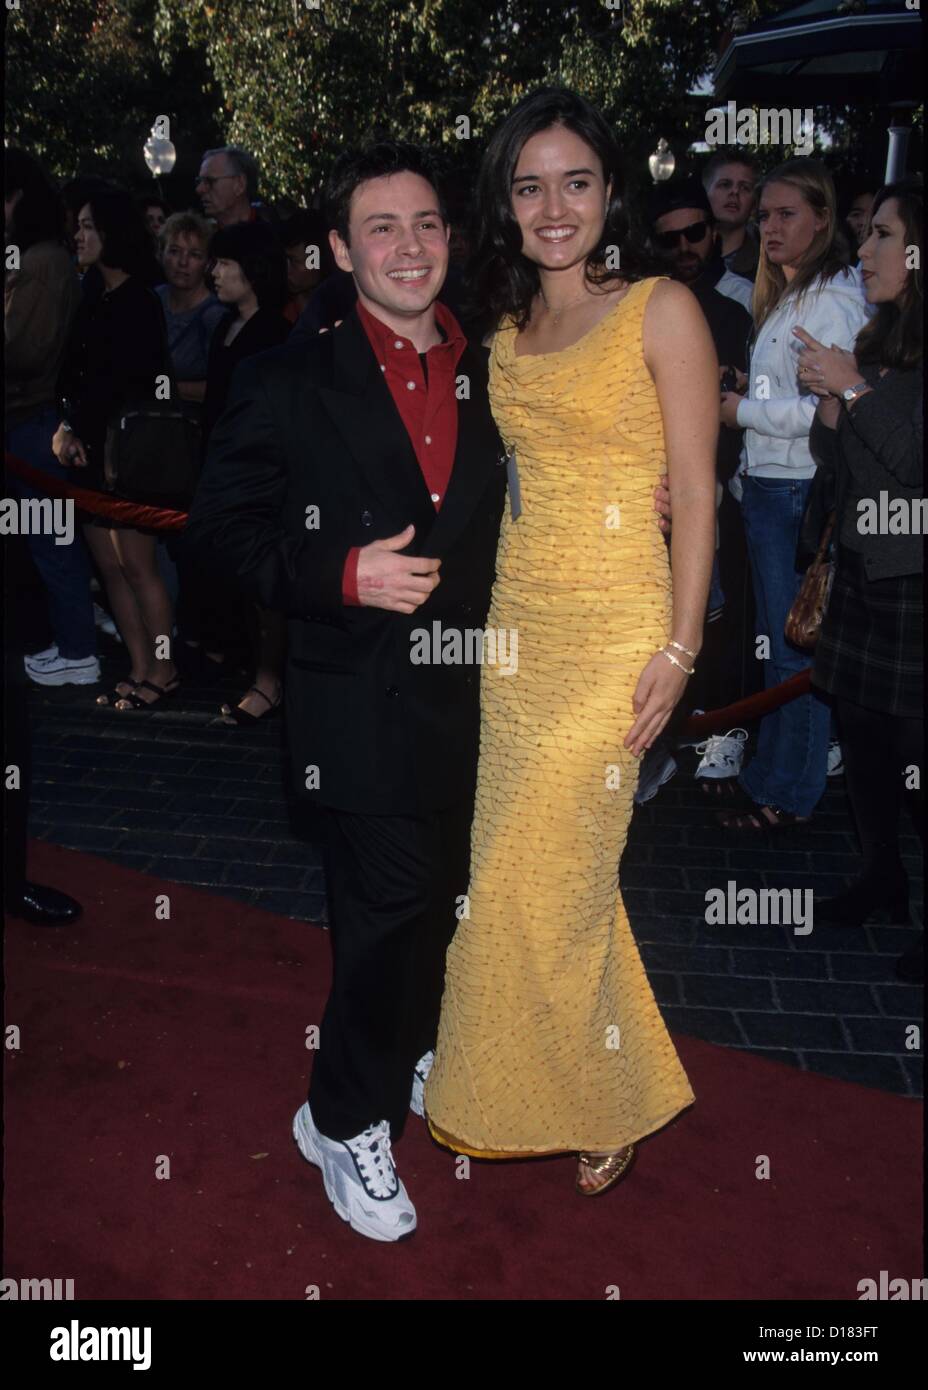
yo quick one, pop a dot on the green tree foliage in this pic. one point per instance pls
(85, 82)
(297, 81)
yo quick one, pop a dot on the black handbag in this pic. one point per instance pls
(153, 448)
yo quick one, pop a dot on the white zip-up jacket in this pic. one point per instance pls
(777, 413)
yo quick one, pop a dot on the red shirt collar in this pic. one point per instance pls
(382, 336)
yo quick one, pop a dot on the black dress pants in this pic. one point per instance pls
(393, 885)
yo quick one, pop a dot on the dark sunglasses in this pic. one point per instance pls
(667, 241)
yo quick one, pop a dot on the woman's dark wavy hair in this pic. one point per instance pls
(894, 336)
(124, 233)
(258, 251)
(502, 280)
(39, 214)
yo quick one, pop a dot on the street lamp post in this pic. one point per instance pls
(661, 162)
(159, 154)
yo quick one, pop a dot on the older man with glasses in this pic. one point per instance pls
(227, 185)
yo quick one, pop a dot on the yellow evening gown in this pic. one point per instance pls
(550, 1037)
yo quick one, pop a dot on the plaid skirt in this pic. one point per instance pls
(870, 646)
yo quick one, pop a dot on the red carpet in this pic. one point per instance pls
(186, 1038)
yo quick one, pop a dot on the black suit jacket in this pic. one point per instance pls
(314, 426)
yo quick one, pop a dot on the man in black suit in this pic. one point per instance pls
(355, 483)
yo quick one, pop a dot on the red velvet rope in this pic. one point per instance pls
(100, 503)
(159, 518)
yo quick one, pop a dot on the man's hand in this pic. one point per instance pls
(662, 504)
(68, 449)
(399, 583)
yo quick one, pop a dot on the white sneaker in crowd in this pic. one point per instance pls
(360, 1178)
(835, 759)
(657, 767)
(722, 754)
(419, 1078)
(45, 655)
(104, 622)
(62, 670)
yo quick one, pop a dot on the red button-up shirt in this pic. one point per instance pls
(427, 407)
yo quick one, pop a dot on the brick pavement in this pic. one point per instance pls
(176, 794)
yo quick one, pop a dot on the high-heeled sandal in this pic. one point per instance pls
(116, 694)
(611, 1166)
(244, 716)
(163, 693)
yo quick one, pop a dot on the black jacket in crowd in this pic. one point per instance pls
(313, 425)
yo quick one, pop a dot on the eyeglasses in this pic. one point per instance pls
(209, 181)
(667, 241)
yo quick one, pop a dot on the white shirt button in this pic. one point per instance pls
(428, 439)
(410, 386)
(382, 367)
(435, 497)
(398, 343)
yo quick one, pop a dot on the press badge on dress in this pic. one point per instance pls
(515, 495)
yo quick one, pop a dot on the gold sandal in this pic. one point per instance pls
(611, 1166)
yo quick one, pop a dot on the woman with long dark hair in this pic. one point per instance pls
(802, 278)
(550, 1038)
(868, 428)
(116, 354)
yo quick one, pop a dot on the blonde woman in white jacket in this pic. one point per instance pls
(802, 279)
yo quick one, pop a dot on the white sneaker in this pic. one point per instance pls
(419, 1078)
(722, 754)
(104, 622)
(62, 670)
(37, 658)
(657, 767)
(360, 1178)
(835, 759)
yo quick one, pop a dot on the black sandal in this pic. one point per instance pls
(759, 822)
(243, 716)
(116, 694)
(163, 692)
(727, 789)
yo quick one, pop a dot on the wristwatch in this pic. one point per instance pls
(852, 392)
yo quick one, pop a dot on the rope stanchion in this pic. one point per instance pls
(753, 707)
(99, 503)
(162, 519)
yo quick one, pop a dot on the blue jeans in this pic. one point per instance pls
(65, 569)
(789, 767)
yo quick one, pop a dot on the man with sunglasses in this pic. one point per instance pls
(684, 235)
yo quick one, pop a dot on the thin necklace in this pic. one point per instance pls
(556, 313)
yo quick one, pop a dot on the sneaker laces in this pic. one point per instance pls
(371, 1152)
(722, 747)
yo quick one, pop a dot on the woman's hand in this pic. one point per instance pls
(659, 687)
(825, 371)
(662, 504)
(68, 449)
(728, 409)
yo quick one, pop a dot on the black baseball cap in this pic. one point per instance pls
(678, 193)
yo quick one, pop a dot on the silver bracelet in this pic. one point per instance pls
(680, 648)
(670, 657)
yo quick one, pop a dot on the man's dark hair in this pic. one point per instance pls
(124, 233)
(257, 249)
(39, 214)
(503, 280)
(894, 336)
(376, 161)
(732, 155)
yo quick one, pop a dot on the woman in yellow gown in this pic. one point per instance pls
(550, 1037)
